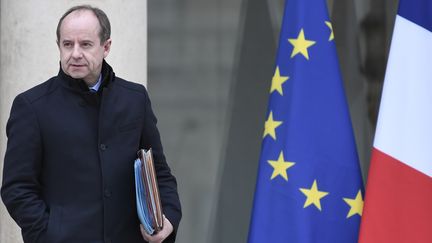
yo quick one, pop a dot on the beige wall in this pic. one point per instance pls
(29, 55)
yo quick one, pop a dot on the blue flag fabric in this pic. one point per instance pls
(309, 186)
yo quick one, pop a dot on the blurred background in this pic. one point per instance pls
(208, 65)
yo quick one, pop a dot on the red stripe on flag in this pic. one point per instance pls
(398, 206)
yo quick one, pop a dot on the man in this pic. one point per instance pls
(68, 171)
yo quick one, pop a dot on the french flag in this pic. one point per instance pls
(398, 202)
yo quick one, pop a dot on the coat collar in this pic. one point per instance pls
(80, 86)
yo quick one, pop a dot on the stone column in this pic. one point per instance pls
(29, 56)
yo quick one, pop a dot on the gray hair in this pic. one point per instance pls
(105, 26)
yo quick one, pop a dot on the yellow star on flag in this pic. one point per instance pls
(331, 30)
(277, 82)
(280, 166)
(356, 205)
(270, 126)
(313, 195)
(301, 45)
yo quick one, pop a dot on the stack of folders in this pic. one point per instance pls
(147, 193)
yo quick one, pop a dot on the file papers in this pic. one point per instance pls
(147, 193)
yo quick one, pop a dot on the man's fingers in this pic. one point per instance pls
(146, 236)
(156, 238)
(161, 235)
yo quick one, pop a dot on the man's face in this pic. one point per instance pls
(81, 53)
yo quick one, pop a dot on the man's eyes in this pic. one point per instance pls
(67, 44)
(86, 44)
(83, 45)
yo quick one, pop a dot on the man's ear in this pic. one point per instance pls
(107, 47)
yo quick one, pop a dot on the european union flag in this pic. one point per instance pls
(309, 186)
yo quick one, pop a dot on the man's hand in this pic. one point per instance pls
(161, 235)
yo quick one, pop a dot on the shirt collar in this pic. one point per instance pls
(97, 85)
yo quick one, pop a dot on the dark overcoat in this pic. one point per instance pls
(68, 170)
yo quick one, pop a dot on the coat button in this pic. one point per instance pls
(107, 193)
(103, 147)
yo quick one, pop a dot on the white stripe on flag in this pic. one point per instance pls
(404, 129)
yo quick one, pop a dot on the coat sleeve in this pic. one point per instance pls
(21, 188)
(166, 181)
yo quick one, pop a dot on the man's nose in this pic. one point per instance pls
(77, 52)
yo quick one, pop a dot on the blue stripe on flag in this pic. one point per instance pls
(417, 11)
